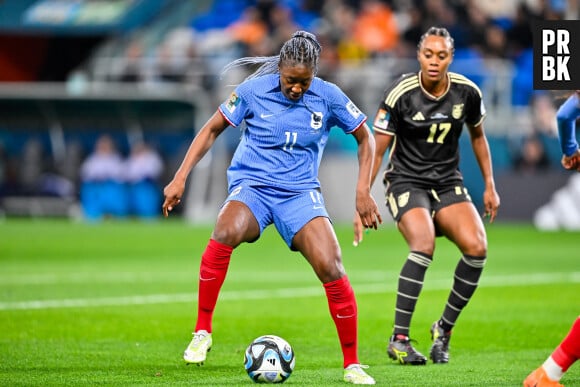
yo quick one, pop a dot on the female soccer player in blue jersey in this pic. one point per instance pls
(272, 179)
(568, 351)
(566, 117)
(420, 119)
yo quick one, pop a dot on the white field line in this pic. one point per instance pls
(373, 288)
(173, 277)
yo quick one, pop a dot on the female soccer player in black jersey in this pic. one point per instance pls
(420, 119)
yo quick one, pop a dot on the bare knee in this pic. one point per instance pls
(421, 243)
(329, 269)
(227, 236)
(426, 247)
(475, 246)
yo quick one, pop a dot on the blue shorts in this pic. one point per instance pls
(289, 211)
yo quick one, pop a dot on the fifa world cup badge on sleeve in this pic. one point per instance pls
(352, 109)
(556, 54)
(382, 120)
(233, 102)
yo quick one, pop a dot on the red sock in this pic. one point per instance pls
(212, 273)
(343, 309)
(569, 349)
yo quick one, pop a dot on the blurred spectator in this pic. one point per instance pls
(175, 55)
(519, 33)
(69, 166)
(103, 191)
(495, 42)
(130, 67)
(477, 22)
(282, 27)
(532, 157)
(412, 32)
(143, 169)
(250, 30)
(375, 27)
(544, 114)
(31, 167)
(337, 25)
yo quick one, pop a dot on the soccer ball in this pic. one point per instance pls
(269, 359)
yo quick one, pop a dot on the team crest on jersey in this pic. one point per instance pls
(403, 199)
(382, 119)
(316, 120)
(457, 111)
(233, 102)
(352, 109)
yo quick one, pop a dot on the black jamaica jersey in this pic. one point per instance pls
(425, 149)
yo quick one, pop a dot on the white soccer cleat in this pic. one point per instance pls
(197, 350)
(355, 374)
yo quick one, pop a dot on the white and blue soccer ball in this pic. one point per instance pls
(269, 359)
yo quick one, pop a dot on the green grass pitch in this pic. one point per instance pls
(114, 304)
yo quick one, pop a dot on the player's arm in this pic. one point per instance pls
(382, 143)
(482, 154)
(366, 206)
(566, 118)
(198, 148)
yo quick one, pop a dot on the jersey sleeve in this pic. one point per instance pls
(475, 112)
(385, 118)
(566, 118)
(346, 115)
(235, 107)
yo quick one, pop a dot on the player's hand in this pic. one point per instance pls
(491, 203)
(358, 229)
(367, 216)
(172, 192)
(572, 162)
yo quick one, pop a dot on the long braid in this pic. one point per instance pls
(302, 48)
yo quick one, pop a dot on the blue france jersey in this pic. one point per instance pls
(283, 141)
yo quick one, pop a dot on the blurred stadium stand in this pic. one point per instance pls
(68, 75)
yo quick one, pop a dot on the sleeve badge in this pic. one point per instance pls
(232, 102)
(382, 119)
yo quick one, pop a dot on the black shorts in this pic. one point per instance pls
(402, 197)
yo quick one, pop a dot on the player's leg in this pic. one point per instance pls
(303, 222)
(461, 224)
(416, 226)
(318, 244)
(411, 210)
(235, 224)
(556, 365)
(569, 349)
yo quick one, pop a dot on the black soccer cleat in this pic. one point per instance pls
(440, 349)
(401, 350)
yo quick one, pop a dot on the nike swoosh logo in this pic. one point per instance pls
(265, 115)
(317, 207)
(341, 316)
(206, 279)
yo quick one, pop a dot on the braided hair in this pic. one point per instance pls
(437, 31)
(301, 49)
